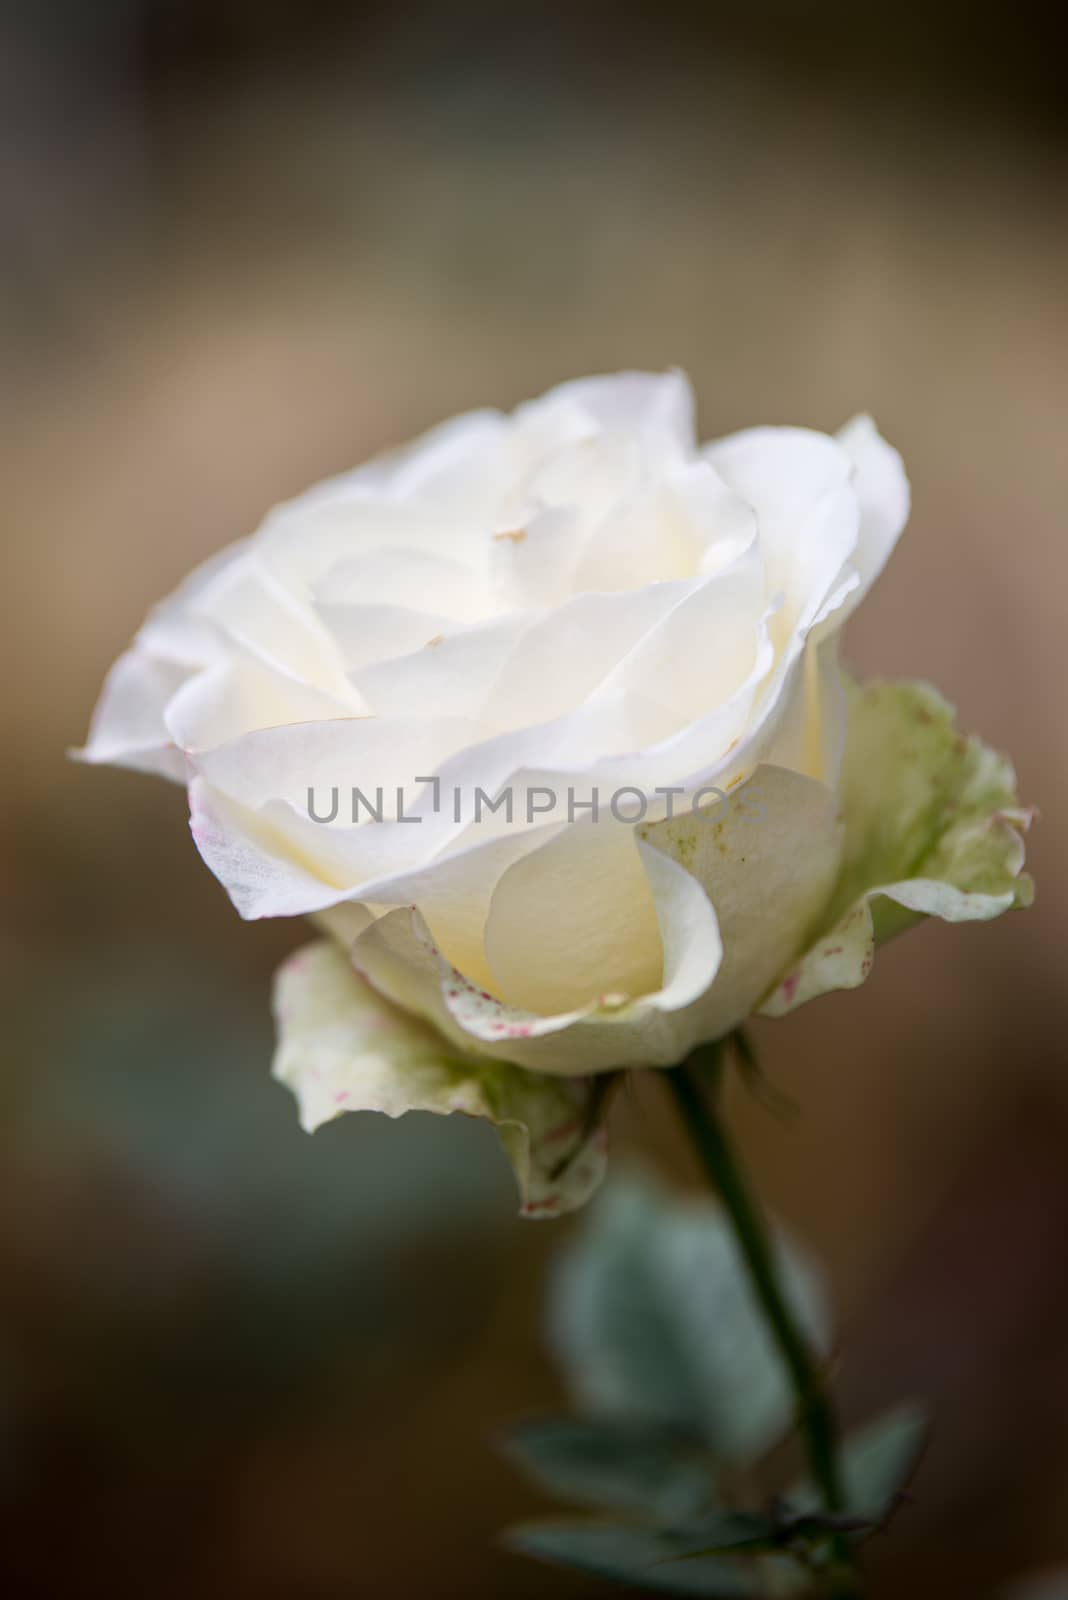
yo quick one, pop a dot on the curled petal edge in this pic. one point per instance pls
(933, 828)
(342, 1046)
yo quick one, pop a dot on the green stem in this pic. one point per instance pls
(815, 1414)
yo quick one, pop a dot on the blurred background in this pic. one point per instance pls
(246, 244)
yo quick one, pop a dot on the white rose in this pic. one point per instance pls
(570, 601)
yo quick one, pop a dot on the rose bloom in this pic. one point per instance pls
(571, 601)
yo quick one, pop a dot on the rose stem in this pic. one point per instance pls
(815, 1414)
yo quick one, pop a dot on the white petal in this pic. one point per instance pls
(767, 858)
(342, 1047)
(453, 891)
(435, 467)
(810, 735)
(367, 633)
(562, 658)
(451, 675)
(799, 484)
(258, 859)
(532, 558)
(460, 468)
(276, 625)
(698, 655)
(395, 575)
(397, 952)
(371, 753)
(574, 921)
(721, 524)
(882, 489)
(657, 405)
(278, 855)
(239, 695)
(128, 728)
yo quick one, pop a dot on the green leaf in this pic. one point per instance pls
(639, 1556)
(652, 1316)
(730, 1533)
(784, 1529)
(877, 1462)
(623, 1465)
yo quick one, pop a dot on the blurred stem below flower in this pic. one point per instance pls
(693, 1085)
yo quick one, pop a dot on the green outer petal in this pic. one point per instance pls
(343, 1047)
(932, 828)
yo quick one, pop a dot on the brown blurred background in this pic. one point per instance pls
(246, 244)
